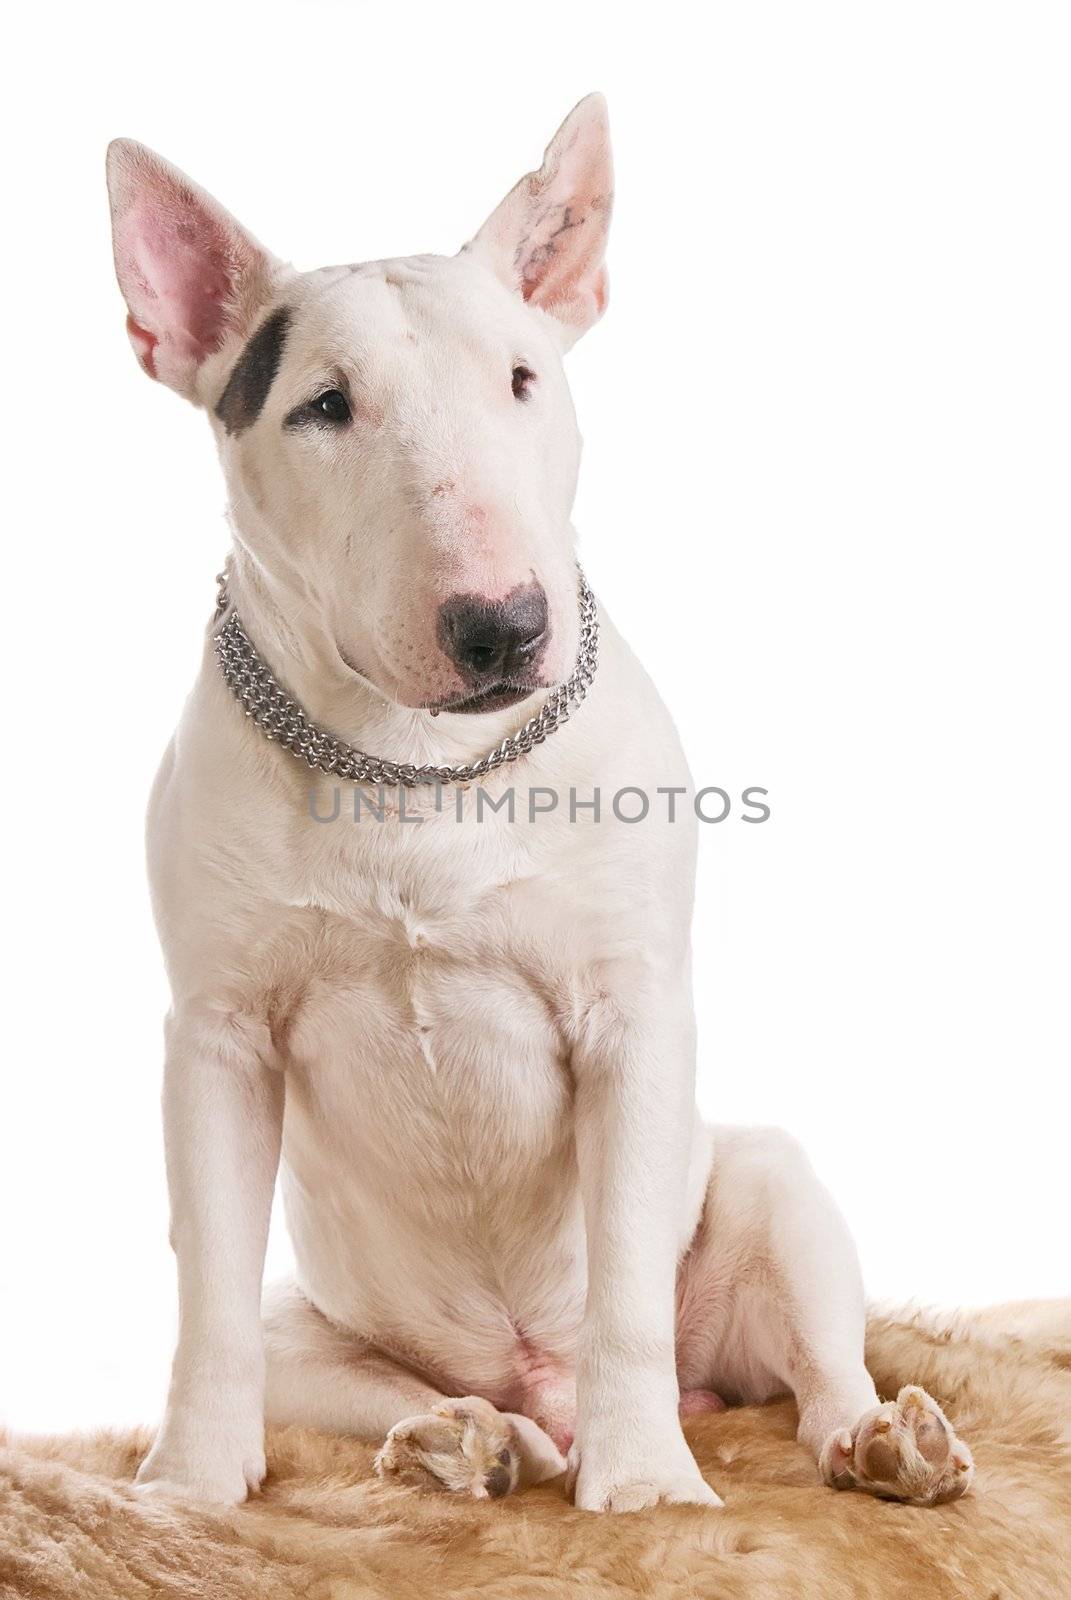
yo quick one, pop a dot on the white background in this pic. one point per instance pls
(825, 494)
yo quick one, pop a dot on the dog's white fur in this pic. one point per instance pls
(482, 1034)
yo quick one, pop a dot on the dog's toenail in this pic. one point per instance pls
(497, 1482)
(882, 1425)
(504, 1457)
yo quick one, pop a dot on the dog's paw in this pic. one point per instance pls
(465, 1446)
(594, 1493)
(605, 1480)
(204, 1460)
(903, 1450)
(223, 1480)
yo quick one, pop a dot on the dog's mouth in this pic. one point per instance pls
(496, 697)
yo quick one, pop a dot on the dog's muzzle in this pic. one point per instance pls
(282, 720)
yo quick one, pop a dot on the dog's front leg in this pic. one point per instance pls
(222, 1126)
(634, 1069)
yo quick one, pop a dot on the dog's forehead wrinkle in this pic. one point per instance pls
(446, 298)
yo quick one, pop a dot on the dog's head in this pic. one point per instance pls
(398, 438)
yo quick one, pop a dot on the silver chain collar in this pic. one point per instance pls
(282, 720)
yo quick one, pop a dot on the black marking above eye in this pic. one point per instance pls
(253, 374)
(523, 379)
(330, 409)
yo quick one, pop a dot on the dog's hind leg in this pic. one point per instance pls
(771, 1298)
(320, 1376)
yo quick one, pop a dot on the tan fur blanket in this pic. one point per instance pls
(324, 1529)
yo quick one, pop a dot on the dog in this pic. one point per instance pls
(468, 1040)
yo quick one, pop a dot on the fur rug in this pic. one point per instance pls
(324, 1529)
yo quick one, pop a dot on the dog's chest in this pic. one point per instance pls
(422, 1035)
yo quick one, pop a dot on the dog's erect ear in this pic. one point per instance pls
(547, 239)
(191, 277)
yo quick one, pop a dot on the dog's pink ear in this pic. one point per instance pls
(547, 239)
(191, 277)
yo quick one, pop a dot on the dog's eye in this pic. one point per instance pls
(523, 379)
(332, 406)
(330, 409)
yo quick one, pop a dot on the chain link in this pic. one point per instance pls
(282, 720)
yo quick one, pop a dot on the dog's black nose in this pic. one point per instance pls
(490, 640)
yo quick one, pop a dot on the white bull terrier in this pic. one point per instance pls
(467, 1032)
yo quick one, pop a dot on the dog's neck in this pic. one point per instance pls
(277, 615)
